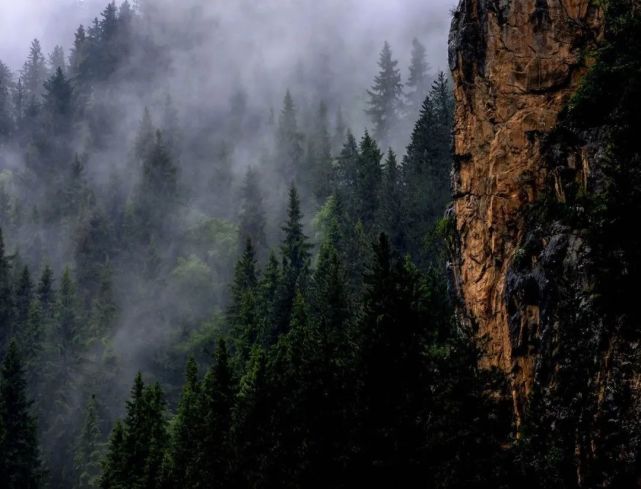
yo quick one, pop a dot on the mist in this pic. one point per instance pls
(200, 87)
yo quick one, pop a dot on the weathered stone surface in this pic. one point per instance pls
(515, 64)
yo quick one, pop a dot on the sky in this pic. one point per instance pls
(54, 21)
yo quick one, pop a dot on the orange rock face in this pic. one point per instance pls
(515, 64)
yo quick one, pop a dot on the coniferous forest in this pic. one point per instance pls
(220, 268)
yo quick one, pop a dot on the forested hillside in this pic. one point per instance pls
(196, 294)
(267, 245)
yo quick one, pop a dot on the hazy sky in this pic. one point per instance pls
(54, 21)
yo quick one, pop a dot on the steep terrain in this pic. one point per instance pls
(547, 190)
(515, 65)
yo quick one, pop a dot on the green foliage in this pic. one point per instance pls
(20, 466)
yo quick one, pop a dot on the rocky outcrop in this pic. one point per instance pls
(515, 65)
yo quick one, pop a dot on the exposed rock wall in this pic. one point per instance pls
(515, 63)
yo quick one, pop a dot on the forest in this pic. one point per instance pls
(226, 264)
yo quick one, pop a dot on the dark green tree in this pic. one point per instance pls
(20, 466)
(296, 257)
(252, 214)
(242, 314)
(368, 182)
(186, 450)
(34, 73)
(216, 408)
(89, 449)
(385, 102)
(289, 147)
(418, 81)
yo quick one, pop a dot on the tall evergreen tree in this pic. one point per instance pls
(418, 80)
(89, 449)
(6, 109)
(57, 60)
(186, 448)
(242, 313)
(368, 181)
(289, 148)
(385, 102)
(217, 402)
(296, 258)
(34, 73)
(20, 466)
(252, 214)
(6, 298)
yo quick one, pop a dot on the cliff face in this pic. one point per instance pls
(515, 65)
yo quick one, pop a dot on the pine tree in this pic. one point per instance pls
(145, 137)
(22, 301)
(296, 256)
(252, 214)
(136, 451)
(158, 191)
(392, 216)
(368, 183)
(385, 102)
(320, 158)
(289, 149)
(57, 60)
(34, 73)
(418, 80)
(186, 449)
(217, 402)
(6, 298)
(6, 116)
(426, 169)
(63, 362)
(78, 55)
(242, 312)
(20, 466)
(89, 449)
(58, 102)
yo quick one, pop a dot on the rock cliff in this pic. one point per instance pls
(515, 64)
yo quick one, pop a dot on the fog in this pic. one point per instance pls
(213, 75)
(54, 21)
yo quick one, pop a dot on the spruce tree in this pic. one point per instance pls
(368, 182)
(252, 214)
(23, 299)
(296, 257)
(385, 103)
(418, 80)
(89, 449)
(217, 402)
(6, 109)
(426, 170)
(242, 313)
(289, 148)
(57, 60)
(34, 73)
(186, 450)
(6, 298)
(20, 466)
(391, 212)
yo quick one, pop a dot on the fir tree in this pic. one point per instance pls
(57, 60)
(186, 446)
(252, 214)
(296, 257)
(6, 116)
(289, 149)
(242, 312)
(385, 102)
(20, 466)
(217, 401)
(89, 449)
(6, 298)
(368, 183)
(34, 73)
(418, 80)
